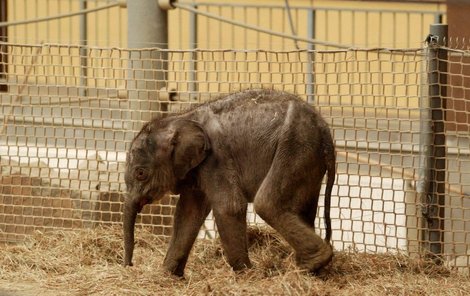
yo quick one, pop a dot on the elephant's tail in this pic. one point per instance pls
(330, 160)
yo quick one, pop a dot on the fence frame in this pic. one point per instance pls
(435, 169)
(432, 186)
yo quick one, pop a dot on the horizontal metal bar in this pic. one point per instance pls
(403, 51)
(317, 8)
(59, 16)
(259, 29)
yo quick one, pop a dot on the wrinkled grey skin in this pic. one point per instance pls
(261, 146)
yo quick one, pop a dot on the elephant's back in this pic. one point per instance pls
(249, 99)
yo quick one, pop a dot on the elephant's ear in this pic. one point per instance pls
(191, 146)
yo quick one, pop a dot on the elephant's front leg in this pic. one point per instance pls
(191, 211)
(231, 225)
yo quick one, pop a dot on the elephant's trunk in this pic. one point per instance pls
(130, 214)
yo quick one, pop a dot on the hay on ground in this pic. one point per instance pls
(88, 262)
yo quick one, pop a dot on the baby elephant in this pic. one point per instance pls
(261, 146)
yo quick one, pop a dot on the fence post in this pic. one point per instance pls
(3, 48)
(310, 46)
(147, 28)
(83, 51)
(192, 87)
(434, 198)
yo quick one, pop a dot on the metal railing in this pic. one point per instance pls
(336, 26)
(43, 21)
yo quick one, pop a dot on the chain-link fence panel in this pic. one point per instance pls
(65, 133)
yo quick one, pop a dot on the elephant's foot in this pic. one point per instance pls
(314, 262)
(175, 267)
(240, 264)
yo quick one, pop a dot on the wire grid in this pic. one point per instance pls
(64, 135)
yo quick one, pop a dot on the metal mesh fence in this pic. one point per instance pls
(64, 135)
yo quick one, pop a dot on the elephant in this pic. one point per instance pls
(259, 146)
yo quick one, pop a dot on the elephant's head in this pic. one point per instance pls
(161, 154)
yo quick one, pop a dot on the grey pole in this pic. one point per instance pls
(192, 87)
(147, 34)
(83, 50)
(435, 173)
(438, 18)
(310, 60)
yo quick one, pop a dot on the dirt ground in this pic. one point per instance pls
(88, 262)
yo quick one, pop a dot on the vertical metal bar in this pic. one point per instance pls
(394, 41)
(232, 15)
(380, 29)
(421, 27)
(408, 31)
(245, 20)
(340, 26)
(258, 18)
(48, 30)
(353, 27)
(26, 16)
(14, 29)
(291, 22)
(438, 18)
(326, 24)
(220, 27)
(36, 27)
(208, 28)
(192, 87)
(147, 28)
(366, 33)
(310, 60)
(3, 48)
(434, 174)
(83, 50)
(270, 27)
(108, 29)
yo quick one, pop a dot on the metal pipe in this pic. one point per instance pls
(318, 8)
(3, 48)
(192, 87)
(438, 18)
(259, 29)
(311, 55)
(55, 17)
(147, 28)
(83, 50)
(435, 173)
(291, 23)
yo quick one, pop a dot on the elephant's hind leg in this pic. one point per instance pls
(307, 208)
(312, 252)
(280, 201)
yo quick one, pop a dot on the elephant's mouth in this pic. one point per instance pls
(141, 205)
(148, 198)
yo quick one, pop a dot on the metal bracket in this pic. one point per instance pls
(167, 4)
(432, 40)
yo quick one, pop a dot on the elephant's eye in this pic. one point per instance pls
(141, 174)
